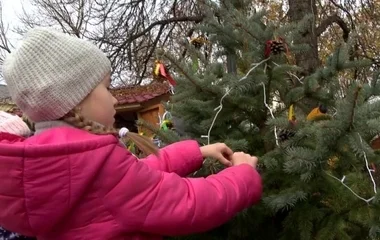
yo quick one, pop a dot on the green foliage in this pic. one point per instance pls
(303, 195)
(166, 136)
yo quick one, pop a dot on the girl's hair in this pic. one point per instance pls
(75, 119)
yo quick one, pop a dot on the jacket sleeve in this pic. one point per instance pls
(181, 158)
(143, 199)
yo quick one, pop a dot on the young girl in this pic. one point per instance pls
(74, 180)
(12, 126)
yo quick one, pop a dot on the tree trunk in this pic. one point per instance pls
(298, 9)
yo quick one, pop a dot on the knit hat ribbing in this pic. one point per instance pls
(13, 124)
(52, 72)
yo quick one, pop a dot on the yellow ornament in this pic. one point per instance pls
(317, 113)
(332, 162)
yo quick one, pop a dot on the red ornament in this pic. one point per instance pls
(161, 72)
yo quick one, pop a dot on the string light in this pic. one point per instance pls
(271, 113)
(353, 192)
(369, 172)
(220, 107)
(228, 91)
(291, 74)
(367, 166)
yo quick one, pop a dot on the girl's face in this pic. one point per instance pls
(99, 105)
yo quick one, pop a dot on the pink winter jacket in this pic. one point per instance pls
(68, 184)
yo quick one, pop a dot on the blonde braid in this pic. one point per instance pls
(75, 119)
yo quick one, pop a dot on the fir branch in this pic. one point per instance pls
(271, 113)
(369, 172)
(299, 79)
(220, 107)
(166, 136)
(356, 95)
(284, 200)
(352, 191)
(242, 26)
(367, 166)
(193, 81)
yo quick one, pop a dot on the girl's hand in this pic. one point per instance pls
(243, 158)
(218, 151)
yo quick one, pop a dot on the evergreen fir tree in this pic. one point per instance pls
(316, 168)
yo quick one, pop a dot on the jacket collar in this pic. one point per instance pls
(43, 126)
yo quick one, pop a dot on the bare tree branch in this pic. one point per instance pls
(128, 31)
(5, 45)
(347, 12)
(329, 21)
(196, 19)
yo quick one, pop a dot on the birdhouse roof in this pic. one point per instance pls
(140, 94)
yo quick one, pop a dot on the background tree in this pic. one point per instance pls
(129, 31)
(333, 21)
(5, 44)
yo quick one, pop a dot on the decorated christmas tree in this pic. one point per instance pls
(316, 142)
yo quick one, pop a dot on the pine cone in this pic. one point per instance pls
(277, 47)
(285, 134)
(198, 42)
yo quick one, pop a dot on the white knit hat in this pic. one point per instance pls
(13, 124)
(52, 72)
